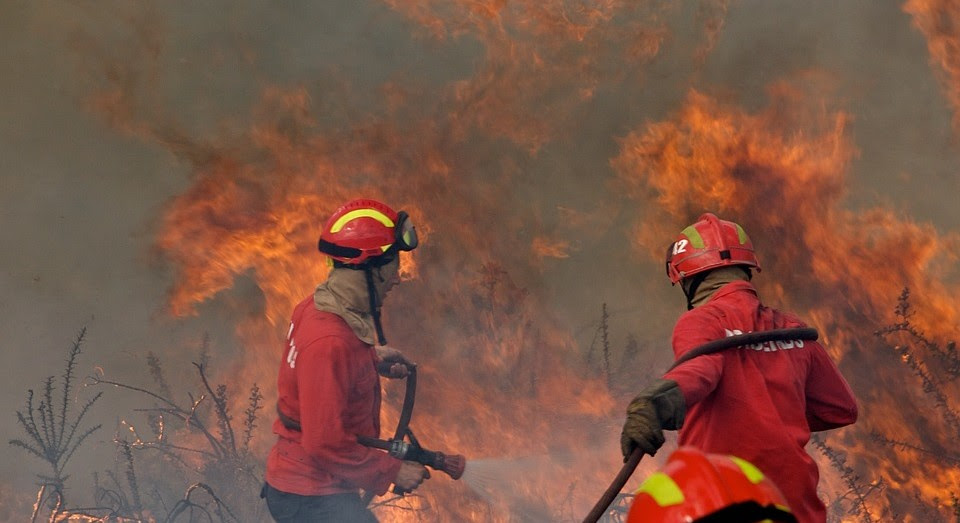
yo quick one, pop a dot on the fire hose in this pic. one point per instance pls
(752, 338)
(452, 464)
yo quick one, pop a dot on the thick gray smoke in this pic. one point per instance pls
(80, 198)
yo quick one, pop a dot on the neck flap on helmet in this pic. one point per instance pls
(692, 284)
(368, 267)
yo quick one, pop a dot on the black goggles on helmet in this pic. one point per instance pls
(405, 234)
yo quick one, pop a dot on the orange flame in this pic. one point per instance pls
(546, 248)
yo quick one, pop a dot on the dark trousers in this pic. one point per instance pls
(294, 508)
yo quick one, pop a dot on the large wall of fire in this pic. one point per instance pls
(165, 170)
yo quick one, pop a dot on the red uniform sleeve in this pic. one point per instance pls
(697, 377)
(830, 402)
(325, 377)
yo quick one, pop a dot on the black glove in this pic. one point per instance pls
(659, 407)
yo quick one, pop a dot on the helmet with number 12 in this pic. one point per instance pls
(707, 244)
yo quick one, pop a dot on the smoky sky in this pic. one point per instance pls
(80, 200)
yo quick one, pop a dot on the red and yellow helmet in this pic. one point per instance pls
(707, 244)
(361, 231)
(696, 487)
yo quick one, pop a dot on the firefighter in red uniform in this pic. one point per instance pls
(329, 388)
(757, 402)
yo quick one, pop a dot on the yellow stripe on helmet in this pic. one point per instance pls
(693, 235)
(361, 213)
(742, 234)
(662, 489)
(749, 470)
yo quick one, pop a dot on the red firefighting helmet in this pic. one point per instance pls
(708, 244)
(361, 231)
(696, 487)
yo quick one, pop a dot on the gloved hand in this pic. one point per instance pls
(657, 408)
(641, 429)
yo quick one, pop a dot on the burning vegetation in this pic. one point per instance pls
(503, 379)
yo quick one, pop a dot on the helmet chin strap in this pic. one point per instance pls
(374, 308)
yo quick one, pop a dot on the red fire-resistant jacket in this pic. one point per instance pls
(328, 382)
(759, 403)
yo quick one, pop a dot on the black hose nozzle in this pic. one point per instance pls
(451, 464)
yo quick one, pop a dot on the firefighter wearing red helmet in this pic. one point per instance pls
(696, 487)
(757, 402)
(329, 386)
